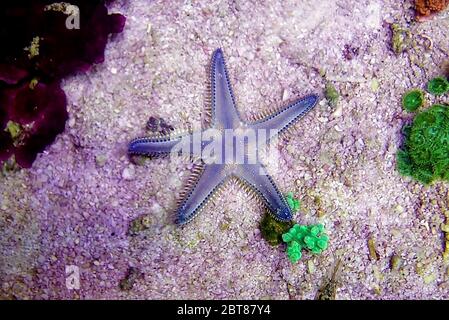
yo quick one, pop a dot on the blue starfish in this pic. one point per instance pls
(210, 176)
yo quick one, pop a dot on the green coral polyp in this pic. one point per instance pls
(293, 203)
(425, 154)
(294, 251)
(312, 238)
(438, 86)
(413, 99)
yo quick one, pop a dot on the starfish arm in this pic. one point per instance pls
(256, 176)
(182, 144)
(204, 187)
(222, 98)
(286, 117)
(155, 146)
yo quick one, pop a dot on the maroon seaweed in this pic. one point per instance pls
(38, 50)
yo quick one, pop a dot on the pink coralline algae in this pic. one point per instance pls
(38, 48)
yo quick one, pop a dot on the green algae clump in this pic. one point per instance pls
(301, 237)
(412, 100)
(331, 94)
(425, 154)
(401, 38)
(273, 229)
(438, 86)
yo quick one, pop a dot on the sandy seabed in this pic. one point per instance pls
(71, 211)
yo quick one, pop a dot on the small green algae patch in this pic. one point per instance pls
(413, 99)
(33, 83)
(272, 229)
(138, 225)
(14, 129)
(425, 153)
(438, 86)
(372, 249)
(401, 38)
(375, 85)
(395, 262)
(301, 237)
(331, 94)
(9, 165)
(33, 49)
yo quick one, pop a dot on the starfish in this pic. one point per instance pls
(219, 166)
